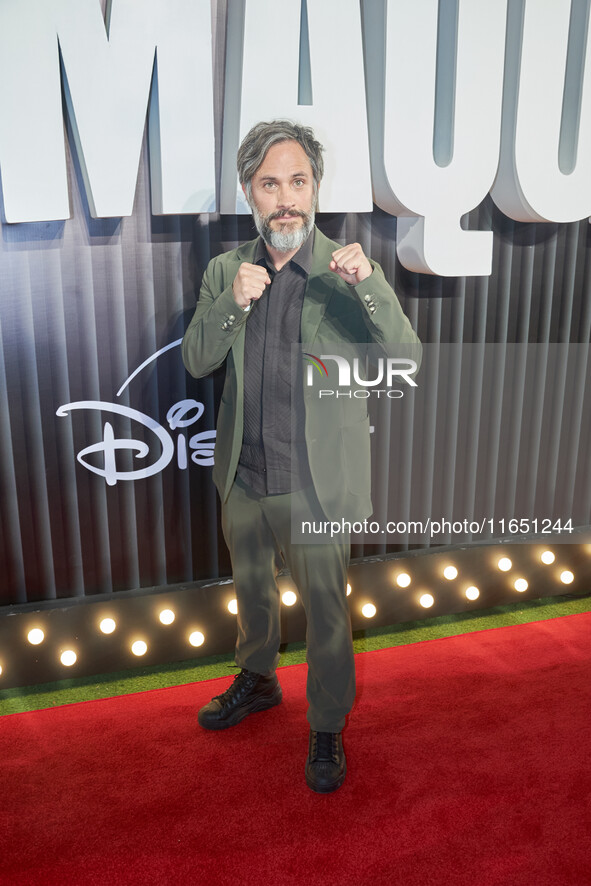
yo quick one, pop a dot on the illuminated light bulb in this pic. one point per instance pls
(566, 577)
(289, 598)
(427, 600)
(0, 670)
(196, 638)
(36, 636)
(233, 607)
(504, 564)
(472, 593)
(139, 647)
(450, 572)
(167, 616)
(547, 557)
(369, 610)
(108, 625)
(403, 580)
(349, 589)
(68, 658)
(520, 585)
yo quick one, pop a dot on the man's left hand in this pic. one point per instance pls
(351, 264)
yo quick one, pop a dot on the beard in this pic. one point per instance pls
(283, 240)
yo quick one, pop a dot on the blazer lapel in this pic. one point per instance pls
(245, 253)
(321, 284)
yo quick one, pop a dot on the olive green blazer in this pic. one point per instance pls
(334, 314)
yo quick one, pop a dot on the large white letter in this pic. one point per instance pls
(428, 186)
(107, 81)
(264, 78)
(547, 104)
(32, 156)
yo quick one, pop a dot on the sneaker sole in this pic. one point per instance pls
(260, 704)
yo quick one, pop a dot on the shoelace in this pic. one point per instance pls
(245, 677)
(325, 746)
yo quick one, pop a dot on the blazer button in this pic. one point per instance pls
(367, 298)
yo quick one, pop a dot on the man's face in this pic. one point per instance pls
(283, 196)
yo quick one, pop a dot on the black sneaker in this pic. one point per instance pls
(248, 693)
(326, 764)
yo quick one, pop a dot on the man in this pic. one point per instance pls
(291, 284)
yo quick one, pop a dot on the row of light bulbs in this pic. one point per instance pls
(108, 625)
(69, 657)
(504, 564)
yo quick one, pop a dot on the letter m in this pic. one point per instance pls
(148, 53)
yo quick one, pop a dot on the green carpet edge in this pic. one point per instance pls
(74, 690)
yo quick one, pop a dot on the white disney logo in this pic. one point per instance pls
(182, 414)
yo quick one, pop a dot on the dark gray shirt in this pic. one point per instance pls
(273, 456)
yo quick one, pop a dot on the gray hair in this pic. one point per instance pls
(262, 136)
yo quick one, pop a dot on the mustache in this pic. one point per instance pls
(292, 213)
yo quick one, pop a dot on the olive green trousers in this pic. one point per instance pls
(258, 532)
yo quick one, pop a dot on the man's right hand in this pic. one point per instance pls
(249, 284)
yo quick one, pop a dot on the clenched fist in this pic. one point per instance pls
(351, 264)
(249, 284)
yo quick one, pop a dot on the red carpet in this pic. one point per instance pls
(469, 763)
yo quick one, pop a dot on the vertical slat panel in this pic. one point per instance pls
(52, 358)
(448, 465)
(540, 331)
(516, 382)
(495, 402)
(559, 380)
(13, 566)
(431, 415)
(475, 317)
(26, 408)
